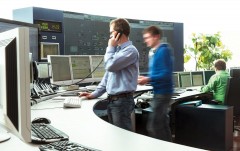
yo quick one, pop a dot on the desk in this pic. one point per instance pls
(84, 127)
(206, 126)
(190, 96)
(142, 114)
(184, 97)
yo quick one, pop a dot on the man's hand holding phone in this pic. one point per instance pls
(113, 41)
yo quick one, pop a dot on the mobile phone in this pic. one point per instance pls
(119, 36)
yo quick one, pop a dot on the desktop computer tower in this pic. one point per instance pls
(206, 126)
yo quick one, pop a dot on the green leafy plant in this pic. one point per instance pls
(205, 49)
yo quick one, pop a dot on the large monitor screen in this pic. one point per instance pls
(60, 68)
(88, 35)
(15, 81)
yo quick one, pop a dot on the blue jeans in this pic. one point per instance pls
(158, 121)
(119, 112)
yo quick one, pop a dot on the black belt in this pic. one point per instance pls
(121, 95)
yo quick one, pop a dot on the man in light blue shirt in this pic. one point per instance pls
(120, 80)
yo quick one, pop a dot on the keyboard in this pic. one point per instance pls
(179, 90)
(70, 94)
(69, 87)
(73, 101)
(46, 133)
(65, 146)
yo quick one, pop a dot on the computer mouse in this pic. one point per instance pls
(41, 120)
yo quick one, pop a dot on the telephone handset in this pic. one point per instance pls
(119, 35)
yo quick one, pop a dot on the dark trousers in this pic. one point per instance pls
(119, 112)
(158, 121)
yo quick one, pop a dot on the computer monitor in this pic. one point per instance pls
(42, 71)
(197, 78)
(81, 69)
(176, 83)
(185, 79)
(48, 48)
(207, 75)
(60, 70)
(97, 66)
(15, 82)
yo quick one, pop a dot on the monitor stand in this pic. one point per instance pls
(4, 136)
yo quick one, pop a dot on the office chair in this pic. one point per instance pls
(232, 95)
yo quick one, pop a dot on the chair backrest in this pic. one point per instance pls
(232, 96)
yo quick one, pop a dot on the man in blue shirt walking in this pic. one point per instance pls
(160, 77)
(120, 80)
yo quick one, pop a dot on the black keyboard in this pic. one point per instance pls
(65, 146)
(46, 133)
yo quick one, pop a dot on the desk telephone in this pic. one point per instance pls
(42, 89)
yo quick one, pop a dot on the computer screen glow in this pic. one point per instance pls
(197, 78)
(49, 49)
(81, 68)
(60, 69)
(185, 79)
(43, 70)
(97, 66)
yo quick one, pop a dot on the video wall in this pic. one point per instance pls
(88, 35)
(85, 34)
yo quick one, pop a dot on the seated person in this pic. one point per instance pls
(218, 82)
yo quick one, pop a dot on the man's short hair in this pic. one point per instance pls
(121, 25)
(153, 30)
(220, 64)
